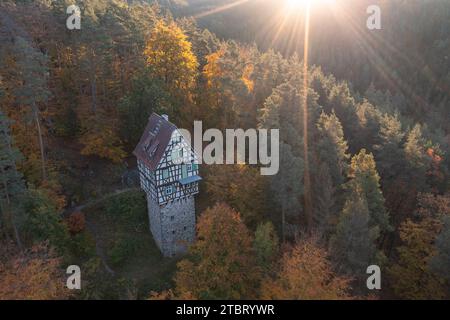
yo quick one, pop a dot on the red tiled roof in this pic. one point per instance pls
(154, 141)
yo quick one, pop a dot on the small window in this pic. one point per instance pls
(180, 153)
(165, 173)
(172, 218)
(184, 171)
(185, 228)
(194, 166)
(173, 232)
(169, 190)
(189, 167)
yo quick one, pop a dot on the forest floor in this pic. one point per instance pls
(95, 187)
(144, 266)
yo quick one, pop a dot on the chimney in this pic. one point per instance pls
(165, 116)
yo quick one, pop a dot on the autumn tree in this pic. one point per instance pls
(413, 275)
(441, 262)
(414, 148)
(305, 274)
(33, 275)
(169, 54)
(221, 263)
(32, 90)
(227, 184)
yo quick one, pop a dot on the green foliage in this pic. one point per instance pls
(44, 222)
(82, 245)
(333, 147)
(129, 210)
(146, 97)
(364, 180)
(125, 246)
(326, 206)
(33, 71)
(100, 285)
(265, 245)
(12, 187)
(353, 246)
(441, 262)
(128, 213)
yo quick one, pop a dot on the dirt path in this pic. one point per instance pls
(94, 202)
(92, 228)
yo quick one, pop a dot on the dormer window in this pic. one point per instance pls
(153, 149)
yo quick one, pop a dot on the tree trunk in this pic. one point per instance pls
(41, 142)
(283, 224)
(16, 233)
(10, 216)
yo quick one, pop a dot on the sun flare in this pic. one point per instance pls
(300, 4)
(296, 4)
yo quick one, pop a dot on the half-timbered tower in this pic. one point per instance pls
(168, 170)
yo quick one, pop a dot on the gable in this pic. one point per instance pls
(154, 141)
(179, 148)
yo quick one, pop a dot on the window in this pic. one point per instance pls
(165, 173)
(172, 218)
(189, 167)
(184, 173)
(168, 190)
(194, 166)
(185, 228)
(173, 232)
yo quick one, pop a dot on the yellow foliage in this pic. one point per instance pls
(246, 77)
(212, 70)
(223, 264)
(169, 54)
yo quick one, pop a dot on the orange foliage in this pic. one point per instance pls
(304, 274)
(222, 262)
(76, 222)
(33, 275)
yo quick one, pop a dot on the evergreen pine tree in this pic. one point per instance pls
(32, 90)
(12, 188)
(353, 246)
(364, 178)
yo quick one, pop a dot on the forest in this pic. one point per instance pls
(364, 125)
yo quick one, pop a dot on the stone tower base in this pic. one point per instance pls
(172, 225)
